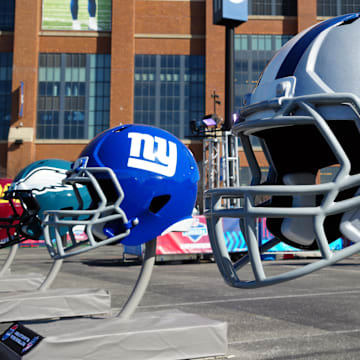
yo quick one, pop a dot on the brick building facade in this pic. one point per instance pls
(145, 34)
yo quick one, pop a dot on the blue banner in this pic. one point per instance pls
(235, 241)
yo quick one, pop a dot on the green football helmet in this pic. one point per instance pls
(38, 187)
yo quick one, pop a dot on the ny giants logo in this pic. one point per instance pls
(152, 153)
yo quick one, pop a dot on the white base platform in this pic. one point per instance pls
(54, 303)
(21, 282)
(158, 335)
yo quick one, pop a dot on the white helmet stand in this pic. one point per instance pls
(17, 282)
(161, 334)
(29, 296)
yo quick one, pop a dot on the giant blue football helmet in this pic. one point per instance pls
(305, 111)
(141, 180)
(37, 187)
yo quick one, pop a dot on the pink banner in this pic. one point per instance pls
(193, 241)
(7, 211)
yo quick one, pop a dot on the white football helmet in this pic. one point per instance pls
(305, 111)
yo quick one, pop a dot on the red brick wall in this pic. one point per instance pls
(122, 62)
(25, 65)
(138, 27)
(306, 14)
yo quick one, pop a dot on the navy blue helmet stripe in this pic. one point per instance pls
(292, 59)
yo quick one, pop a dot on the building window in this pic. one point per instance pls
(337, 7)
(5, 93)
(169, 91)
(273, 7)
(252, 53)
(73, 95)
(7, 14)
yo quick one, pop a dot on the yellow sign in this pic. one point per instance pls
(3, 189)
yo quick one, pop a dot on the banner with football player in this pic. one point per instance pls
(76, 15)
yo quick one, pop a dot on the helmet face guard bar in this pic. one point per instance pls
(249, 212)
(97, 215)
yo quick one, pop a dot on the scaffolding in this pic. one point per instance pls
(220, 162)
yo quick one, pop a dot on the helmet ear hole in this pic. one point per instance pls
(158, 202)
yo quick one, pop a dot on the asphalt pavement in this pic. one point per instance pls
(314, 317)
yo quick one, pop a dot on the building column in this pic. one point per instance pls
(122, 62)
(306, 14)
(215, 62)
(21, 146)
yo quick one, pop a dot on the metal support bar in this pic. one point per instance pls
(229, 77)
(142, 281)
(9, 260)
(54, 270)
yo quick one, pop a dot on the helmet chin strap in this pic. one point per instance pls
(300, 229)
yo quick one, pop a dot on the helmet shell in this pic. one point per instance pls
(44, 179)
(305, 64)
(39, 187)
(156, 171)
